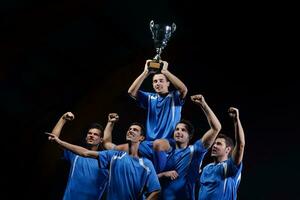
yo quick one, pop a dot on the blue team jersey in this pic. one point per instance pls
(129, 177)
(86, 179)
(163, 113)
(187, 163)
(220, 181)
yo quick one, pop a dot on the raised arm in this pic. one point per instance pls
(135, 86)
(215, 126)
(107, 138)
(177, 83)
(74, 148)
(238, 151)
(68, 116)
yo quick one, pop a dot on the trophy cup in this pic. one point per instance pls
(161, 35)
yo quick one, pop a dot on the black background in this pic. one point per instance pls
(81, 56)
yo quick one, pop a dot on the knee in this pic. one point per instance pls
(161, 145)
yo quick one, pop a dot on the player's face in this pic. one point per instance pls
(134, 134)
(93, 137)
(160, 84)
(219, 148)
(181, 134)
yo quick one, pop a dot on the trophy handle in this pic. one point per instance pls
(151, 25)
(173, 27)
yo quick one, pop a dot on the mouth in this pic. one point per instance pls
(178, 137)
(213, 151)
(130, 135)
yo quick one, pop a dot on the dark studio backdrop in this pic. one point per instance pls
(81, 56)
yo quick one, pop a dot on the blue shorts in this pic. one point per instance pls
(146, 148)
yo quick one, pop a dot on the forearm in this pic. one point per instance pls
(153, 195)
(215, 126)
(177, 83)
(238, 151)
(212, 119)
(78, 149)
(160, 175)
(58, 127)
(239, 133)
(135, 86)
(108, 132)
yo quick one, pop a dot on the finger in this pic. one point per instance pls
(47, 133)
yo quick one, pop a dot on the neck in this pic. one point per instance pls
(93, 147)
(181, 145)
(133, 148)
(163, 94)
(220, 159)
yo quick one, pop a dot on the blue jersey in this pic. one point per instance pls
(129, 177)
(187, 163)
(220, 181)
(163, 113)
(86, 179)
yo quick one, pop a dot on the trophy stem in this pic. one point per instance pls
(157, 56)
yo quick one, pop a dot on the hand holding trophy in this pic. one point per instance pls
(160, 35)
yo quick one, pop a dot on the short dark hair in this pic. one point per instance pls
(228, 141)
(189, 126)
(96, 126)
(140, 125)
(159, 72)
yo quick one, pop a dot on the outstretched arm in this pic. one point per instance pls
(74, 148)
(68, 116)
(238, 151)
(215, 126)
(178, 84)
(135, 86)
(107, 138)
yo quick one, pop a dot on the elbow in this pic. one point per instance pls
(129, 91)
(217, 128)
(183, 91)
(132, 93)
(242, 145)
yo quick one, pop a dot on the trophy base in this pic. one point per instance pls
(155, 66)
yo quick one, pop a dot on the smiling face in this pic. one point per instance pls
(181, 134)
(134, 134)
(160, 84)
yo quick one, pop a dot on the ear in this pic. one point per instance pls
(141, 138)
(168, 83)
(227, 150)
